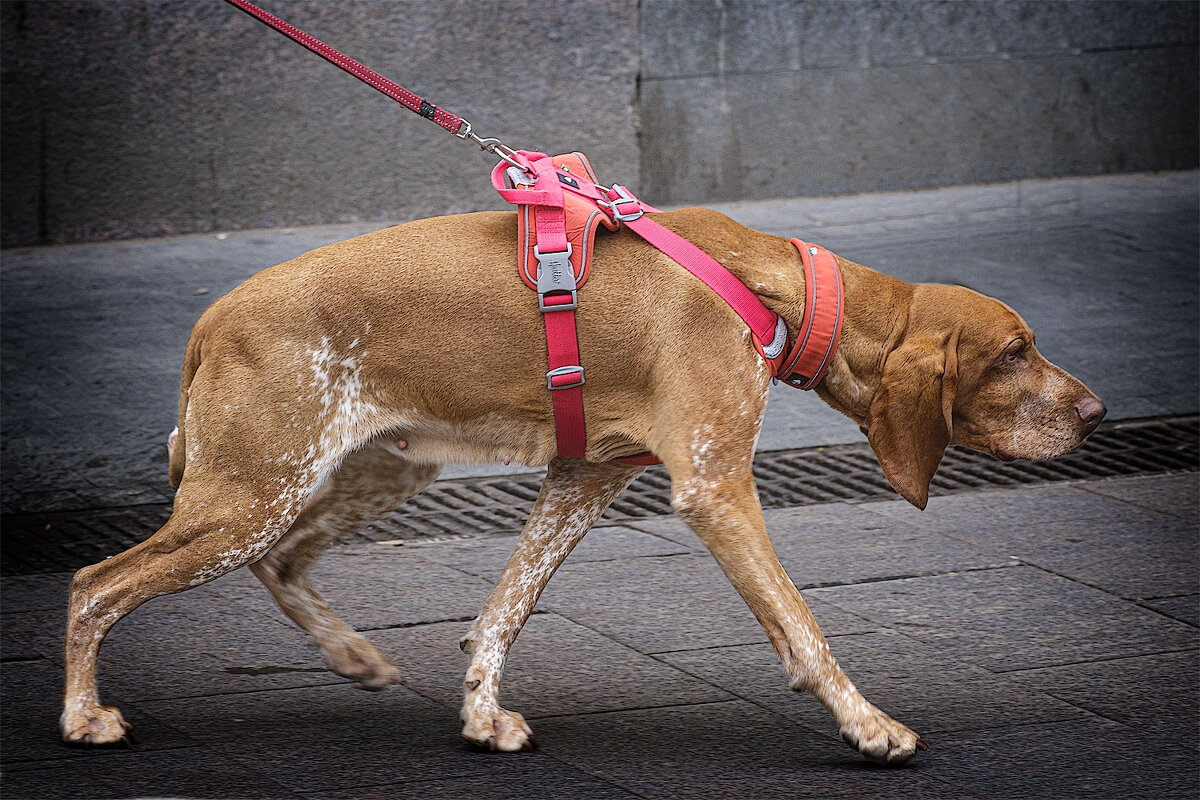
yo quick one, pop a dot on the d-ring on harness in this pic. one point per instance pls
(565, 209)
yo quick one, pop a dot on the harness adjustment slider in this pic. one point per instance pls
(624, 197)
(565, 377)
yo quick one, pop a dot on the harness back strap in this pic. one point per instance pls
(766, 325)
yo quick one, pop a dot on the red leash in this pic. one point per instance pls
(450, 122)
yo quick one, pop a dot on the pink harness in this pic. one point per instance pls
(559, 209)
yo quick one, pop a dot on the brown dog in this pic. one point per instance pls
(300, 385)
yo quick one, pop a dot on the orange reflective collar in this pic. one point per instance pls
(805, 363)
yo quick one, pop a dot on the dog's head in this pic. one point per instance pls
(966, 372)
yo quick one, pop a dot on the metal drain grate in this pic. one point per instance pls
(475, 507)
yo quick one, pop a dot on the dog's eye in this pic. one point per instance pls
(1015, 352)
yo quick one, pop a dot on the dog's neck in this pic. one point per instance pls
(875, 320)
(876, 305)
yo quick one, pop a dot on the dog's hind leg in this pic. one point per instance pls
(573, 496)
(217, 525)
(369, 483)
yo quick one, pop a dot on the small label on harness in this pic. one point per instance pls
(568, 180)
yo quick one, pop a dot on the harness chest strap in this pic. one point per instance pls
(555, 232)
(560, 198)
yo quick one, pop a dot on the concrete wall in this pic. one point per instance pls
(143, 118)
(133, 119)
(765, 98)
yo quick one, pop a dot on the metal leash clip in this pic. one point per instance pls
(493, 146)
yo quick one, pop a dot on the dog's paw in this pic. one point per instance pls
(499, 730)
(880, 738)
(99, 726)
(359, 660)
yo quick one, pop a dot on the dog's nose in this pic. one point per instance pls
(1090, 410)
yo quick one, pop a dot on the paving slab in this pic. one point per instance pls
(512, 776)
(1143, 693)
(381, 588)
(486, 557)
(30, 734)
(330, 737)
(1014, 618)
(917, 684)
(841, 543)
(185, 649)
(1067, 761)
(188, 772)
(1004, 510)
(1185, 608)
(659, 605)
(861, 545)
(557, 667)
(1178, 495)
(34, 593)
(726, 750)
(1107, 539)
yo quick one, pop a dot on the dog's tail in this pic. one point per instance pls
(177, 442)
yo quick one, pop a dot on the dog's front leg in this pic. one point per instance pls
(573, 496)
(717, 499)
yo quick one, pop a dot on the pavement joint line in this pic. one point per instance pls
(333, 680)
(1168, 596)
(1142, 604)
(1085, 661)
(1137, 502)
(69, 752)
(471, 618)
(600, 711)
(656, 653)
(1134, 600)
(21, 659)
(913, 576)
(1096, 660)
(594, 773)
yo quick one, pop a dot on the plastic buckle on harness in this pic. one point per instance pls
(555, 277)
(623, 197)
(564, 372)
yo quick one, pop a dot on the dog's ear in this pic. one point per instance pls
(910, 421)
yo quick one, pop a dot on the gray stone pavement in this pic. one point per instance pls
(1044, 640)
